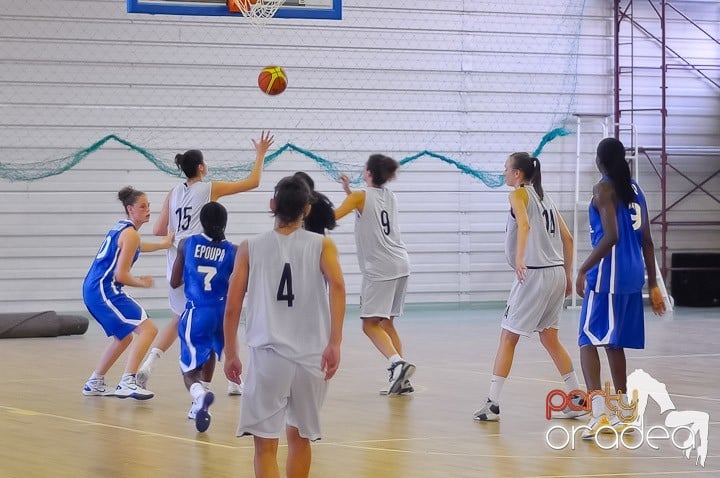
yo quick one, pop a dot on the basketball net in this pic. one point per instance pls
(259, 12)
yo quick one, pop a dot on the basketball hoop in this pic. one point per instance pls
(257, 12)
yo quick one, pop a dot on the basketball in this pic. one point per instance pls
(240, 5)
(272, 80)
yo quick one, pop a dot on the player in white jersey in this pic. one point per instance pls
(118, 313)
(180, 215)
(538, 246)
(293, 330)
(612, 277)
(384, 264)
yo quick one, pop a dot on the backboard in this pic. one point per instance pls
(307, 9)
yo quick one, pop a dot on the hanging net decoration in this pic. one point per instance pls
(258, 12)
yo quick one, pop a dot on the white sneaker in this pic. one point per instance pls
(202, 415)
(192, 413)
(96, 387)
(400, 371)
(489, 413)
(597, 425)
(235, 388)
(128, 388)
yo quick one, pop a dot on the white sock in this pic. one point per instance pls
(598, 406)
(571, 381)
(395, 358)
(96, 376)
(197, 390)
(496, 385)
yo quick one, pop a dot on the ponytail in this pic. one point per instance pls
(530, 167)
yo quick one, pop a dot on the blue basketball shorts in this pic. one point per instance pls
(201, 334)
(615, 320)
(118, 314)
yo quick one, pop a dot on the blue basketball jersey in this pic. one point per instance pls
(208, 266)
(622, 271)
(100, 279)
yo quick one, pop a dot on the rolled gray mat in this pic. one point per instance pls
(41, 324)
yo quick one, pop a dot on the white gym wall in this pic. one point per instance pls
(472, 81)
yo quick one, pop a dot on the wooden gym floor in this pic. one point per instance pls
(49, 429)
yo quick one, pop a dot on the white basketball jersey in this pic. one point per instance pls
(184, 214)
(381, 251)
(544, 245)
(288, 308)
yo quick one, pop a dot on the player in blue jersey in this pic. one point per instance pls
(204, 264)
(612, 277)
(118, 313)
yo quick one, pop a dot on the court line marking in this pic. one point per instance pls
(21, 411)
(654, 473)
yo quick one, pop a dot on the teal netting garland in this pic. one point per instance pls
(43, 169)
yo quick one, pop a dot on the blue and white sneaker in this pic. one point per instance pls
(202, 415)
(400, 372)
(96, 387)
(128, 388)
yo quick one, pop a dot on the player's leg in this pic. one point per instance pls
(128, 386)
(389, 327)
(95, 385)
(501, 369)
(299, 454)
(563, 362)
(166, 337)
(265, 461)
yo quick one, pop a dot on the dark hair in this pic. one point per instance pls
(189, 161)
(322, 213)
(213, 217)
(382, 168)
(292, 194)
(129, 196)
(611, 155)
(306, 177)
(530, 167)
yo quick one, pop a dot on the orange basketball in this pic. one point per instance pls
(240, 5)
(272, 80)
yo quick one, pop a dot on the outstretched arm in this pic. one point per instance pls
(225, 188)
(355, 200)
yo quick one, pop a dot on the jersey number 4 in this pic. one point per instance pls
(285, 289)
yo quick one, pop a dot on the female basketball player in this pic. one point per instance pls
(294, 331)
(612, 277)
(180, 214)
(203, 264)
(384, 264)
(118, 313)
(322, 214)
(538, 246)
